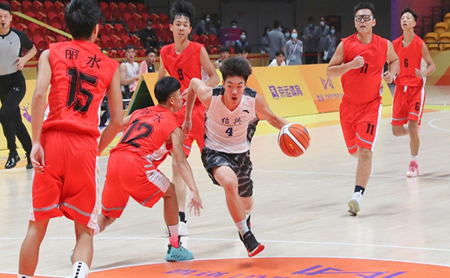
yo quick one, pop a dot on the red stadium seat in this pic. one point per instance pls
(102, 31)
(132, 7)
(131, 22)
(166, 36)
(137, 41)
(61, 38)
(39, 6)
(165, 19)
(141, 52)
(141, 8)
(118, 43)
(50, 7)
(40, 43)
(155, 19)
(107, 42)
(37, 32)
(103, 5)
(122, 31)
(59, 6)
(127, 40)
(16, 6)
(107, 13)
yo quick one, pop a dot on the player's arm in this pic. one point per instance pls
(26, 43)
(162, 69)
(393, 64)
(209, 68)
(177, 138)
(123, 75)
(116, 112)
(337, 67)
(38, 110)
(431, 67)
(266, 113)
(204, 93)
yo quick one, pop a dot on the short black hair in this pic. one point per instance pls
(81, 17)
(224, 48)
(408, 10)
(236, 66)
(233, 21)
(165, 87)
(149, 20)
(276, 24)
(182, 8)
(243, 31)
(6, 7)
(130, 47)
(364, 5)
(278, 53)
(150, 50)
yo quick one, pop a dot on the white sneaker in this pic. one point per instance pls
(354, 205)
(413, 169)
(182, 229)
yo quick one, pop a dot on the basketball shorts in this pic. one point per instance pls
(408, 104)
(359, 123)
(69, 184)
(130, 175)
(197, 132)
(239, 163)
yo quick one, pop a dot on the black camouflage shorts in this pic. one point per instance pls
(239, 163)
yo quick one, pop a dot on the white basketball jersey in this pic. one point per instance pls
(230, 131)
(132, 70)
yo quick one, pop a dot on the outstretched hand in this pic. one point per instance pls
(195, 203)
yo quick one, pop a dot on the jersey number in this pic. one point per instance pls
(136, 125)
(370, 128)
(417, 106)
(364, 68)
(406, 63)
(180, 74)
(77, 92)
(229, 131)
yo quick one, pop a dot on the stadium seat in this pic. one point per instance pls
(444, 41)
(16, 6)
(141, 52)
(39, 6)
(103, 5)
(431, 37)
(433, 46)
(59, 6)
(441, 27)
(137, 41)
(195, 37)
(102, 31)
(131, 23)
(37, 32)
(107, 13)
(117, 15)
(132, 7)
(164, 19)
(106, 42)
(447, 18)
(118, 43)
(40, 43)
(127, 40)
(50, 7)
(140, 22)
(61, 38)
(155, 19)
(141, 8)
(166, 36)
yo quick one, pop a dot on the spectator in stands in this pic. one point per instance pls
(243, 52)
(129, 72)
(205, 27)
(279, 60)
(277, 42)
(242, 42)
(312, 37)
(287, 33)
(294, 49)
(148, 35)
(224, 53)
(218, 27)
(324, 32)
(148, 65)
(233, 24)
(330, 45)
(265, 48)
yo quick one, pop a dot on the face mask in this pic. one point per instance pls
(294, 35)
(243, 37)
(332, 32)
(208, 20)
(322, 23)
(310, 25)
(233, 26)
(286, 35)
(149, 28)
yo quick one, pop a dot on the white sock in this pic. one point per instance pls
(242, 226)
(414, 157)
(80, 270)
(97, 229)
(24, 276)
(173, 235)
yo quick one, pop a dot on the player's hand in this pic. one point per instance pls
(357, 62)
(388, 77)
(419, 73)
(185, 93)
(186, 127)
(20, 63)
(195, 203)
(37, 158)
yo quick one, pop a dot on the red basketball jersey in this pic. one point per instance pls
(362, 85)
(184, 66)
(410, 58)
(81, 73)
(147, 134)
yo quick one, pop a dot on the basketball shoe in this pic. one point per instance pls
(413, 170)
(354, 205)
(178, 254)
(252, 245)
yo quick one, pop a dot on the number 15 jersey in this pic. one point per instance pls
(363, 85)
(81, 75)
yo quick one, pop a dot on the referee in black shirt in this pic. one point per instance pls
(12, 85)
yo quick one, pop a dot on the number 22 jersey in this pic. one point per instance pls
(81, 74)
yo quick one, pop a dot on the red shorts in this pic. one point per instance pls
(131, 175)
(360, 123)
(408, 104)
(198, 126)
(69, 183)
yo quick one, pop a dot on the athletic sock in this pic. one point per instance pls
(414, 157)
(24, 276)
(182, 216)
(359, 189)
(242, 226)
(173, 235)
(80, 270)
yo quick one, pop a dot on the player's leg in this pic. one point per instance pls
(84, 250)
(7, 112)
(180, 189)
(416, 102)
(399, 112)
(29, 252)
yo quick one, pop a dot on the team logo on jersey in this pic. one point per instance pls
(72, 53)
(93, 61)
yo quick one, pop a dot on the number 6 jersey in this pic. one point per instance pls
(81, 74)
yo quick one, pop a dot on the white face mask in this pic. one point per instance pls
(208, 19)
(310, 25)
(294, 35)
(322, 23)
(233, 26)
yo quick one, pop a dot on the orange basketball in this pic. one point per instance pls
(293, 139)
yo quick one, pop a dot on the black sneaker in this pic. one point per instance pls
(29, 164)
(12, 161)
(252, 245)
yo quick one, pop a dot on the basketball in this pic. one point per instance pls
(293, 139)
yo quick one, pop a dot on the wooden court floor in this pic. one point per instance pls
(300, 214)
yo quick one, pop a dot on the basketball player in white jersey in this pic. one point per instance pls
(231, 119)
(129, 71)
